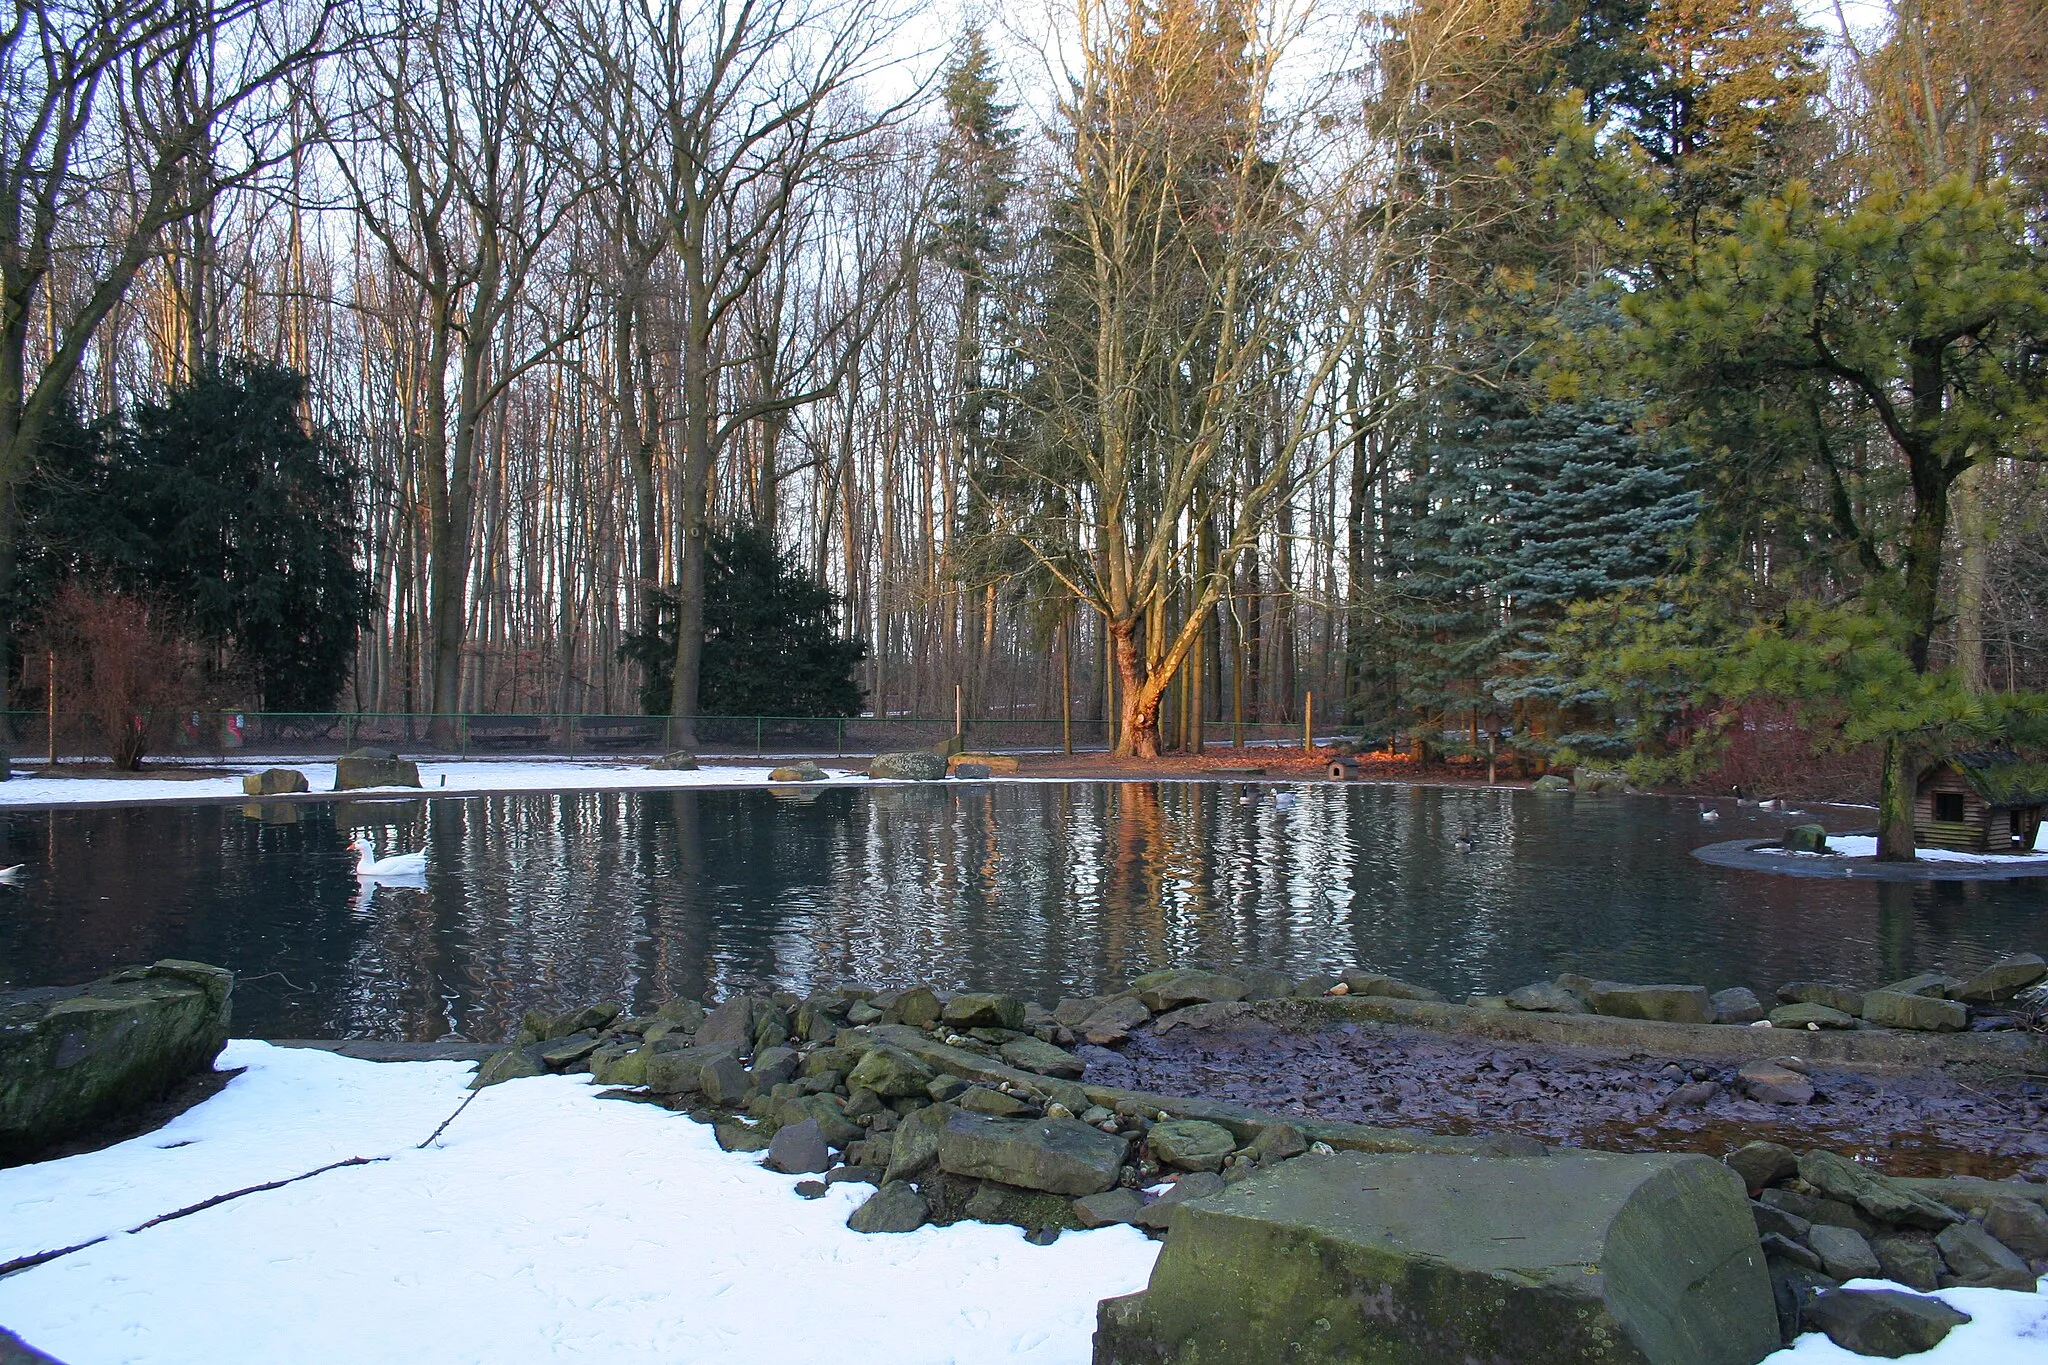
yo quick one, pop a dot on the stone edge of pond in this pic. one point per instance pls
(1749, 855)
(1884, 1048)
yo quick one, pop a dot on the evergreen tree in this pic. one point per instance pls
(771, 647)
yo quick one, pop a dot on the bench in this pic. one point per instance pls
(510, 732)
(650, 734)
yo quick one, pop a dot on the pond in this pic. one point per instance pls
(1045, 889)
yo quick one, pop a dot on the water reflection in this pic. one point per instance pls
(548, 901)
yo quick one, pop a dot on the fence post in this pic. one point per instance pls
(51, 689)
(1308, 724)
(757, 737)
(842, 737)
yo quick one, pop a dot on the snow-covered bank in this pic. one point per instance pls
(451, 778)
(546, 1223)
(1865, 846)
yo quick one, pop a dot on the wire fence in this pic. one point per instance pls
(226, 735)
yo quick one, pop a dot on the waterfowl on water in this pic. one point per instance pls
(369, 865)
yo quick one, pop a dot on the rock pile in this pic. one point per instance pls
(852, 1084)
(1824, 1219)
(1932, 1002)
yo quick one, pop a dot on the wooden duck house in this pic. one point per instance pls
(1980, 803)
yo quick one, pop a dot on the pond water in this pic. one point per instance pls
(1045, 889)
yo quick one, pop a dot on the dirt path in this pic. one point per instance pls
(1923, 1124)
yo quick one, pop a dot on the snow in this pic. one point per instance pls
(436, 779)
(2005, 1328)
(546, 1223)
(1865, 846)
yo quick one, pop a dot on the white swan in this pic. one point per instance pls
(369, 865)
(11, 876)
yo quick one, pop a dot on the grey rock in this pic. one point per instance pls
(1772, 1219)
(1159, 1214)
(917, 1006)
(685, 1014)
(896, 1207)
(1778, 1246)
(1876, 1194)
(567, 1054)
(1771, 1083)
(1179, 987)
(1263, 983)
(1934, 985)
(1882, 1322)
(73, 1057)
(1841, 998)
(1379, 983)
(773, 1066)
(680, 1071)
(13, 1350)
(1793, 1286)
(734, 1135)
(514, 1063)
(798, 772)
(1910, 1258)
(1981, 1261)
(916, 1149)
(1551, 784)
(811, 1189)
(995, 1202)
(1114, 1016)
(972, 772)
(981, 1099)
(1843, 1253)
(675, 761)
(1587, 1256)
(945, 1086)
(1110, 1206)
(362, 768)
(799, 1149)
(1599, 781)
(1667, 1004)
(983, 1009)
(915, 766)
(1763, 1164)
(1737, 1005)
(891, 1073)
(1805, 839)
(1546, 997)
(1926, 1013)
(2020, 1224)
(1278, 1142)
(723, 1080)
(1692, 1096)
(1029, 1054)
(732, 1022)
(275, 782)
(2002, 980)
(1190, 1144)
(1059, 1156)
(1809, 1015)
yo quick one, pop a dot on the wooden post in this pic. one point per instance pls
(959, 715)
(1489, 758)
(50, 690)
(1308, 724)
(1067, 682)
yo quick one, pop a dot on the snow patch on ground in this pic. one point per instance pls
(461, 775)
(2005, 1328)
(545, 1224)
(1865, 846)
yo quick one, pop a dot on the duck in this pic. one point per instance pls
(1284, 800)
(370, 866)
(11, 876)
(1773, 804)
(1463, 843)
(1709, 813)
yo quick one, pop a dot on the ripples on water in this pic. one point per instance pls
(1041, 888)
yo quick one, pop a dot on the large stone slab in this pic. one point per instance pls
(371, 767)
(1667, 1004)
(1902, 1009)
(908, 767)
(1590, 1258)
(1059, 1156)
(74, 1057)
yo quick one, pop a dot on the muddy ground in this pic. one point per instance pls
(1992, 1125)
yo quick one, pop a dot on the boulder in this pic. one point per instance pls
(1937, 985)
(1190, 1144)
(2020, 1224)
(275, 782)
(1111, 1206)
(895, 1207)
(829, 1114)
(799, 1149)
(1805, 839)
(1550, 784)
(917, 1007)
(675, 761)
(13, 1350)
(1029, 1054)
(1181, 986)
(1981, 1261)
(1032, 1210)
(1926, 1013)
(1877, 1194)
(73, 1057)
(908, 767)
(680, 1071)
(1419, 1259)
(568, 1054)
(773, 1066)
(1158, 1215)
(1546, 997)
(1844, 1253)
(891, 1073)
(1910, 1259)
(1736, 1005)
(733, 1022)
(798, 772)
(1378, 983)
(1809, 1016)
(1599, 781)
(1763, 1164)
(1060, 1156)
(514, 1063)
(735, 1135)
(724, 1081)
(619, 1066)
(1881, 1322)
(982, 1100)
(1772, 1083)
(1841, 998)
(369, 767)
(1278, 1142)
(916, 1149)
(971, 772)
(1114, 1017)
(982, 1009)
(1666, 1004)
(2002, 980)
(995, 763)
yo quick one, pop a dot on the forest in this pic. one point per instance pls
(1582, 376)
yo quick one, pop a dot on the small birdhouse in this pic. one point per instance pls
(1980, 803)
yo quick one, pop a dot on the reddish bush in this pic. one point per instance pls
(123, 670)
